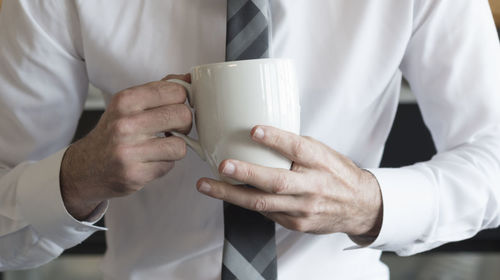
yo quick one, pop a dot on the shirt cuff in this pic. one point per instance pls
(40, 203)
(409, 203)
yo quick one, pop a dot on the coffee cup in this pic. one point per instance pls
(230, 98)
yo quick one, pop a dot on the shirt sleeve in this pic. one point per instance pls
(453, 66)
(43, 84)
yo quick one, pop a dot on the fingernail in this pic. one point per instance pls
(228, 168)
(258, 133)
(204, 187)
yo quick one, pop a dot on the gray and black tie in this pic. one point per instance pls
(249, 238)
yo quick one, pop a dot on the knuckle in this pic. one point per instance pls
(155, 88)
(122, 126)
(167, 167)
(275, 140)
(299, 225)
(125, 175)
(183, 150)
(160, 170)
(260, 205)
(298, 149)
(321, 187)
(177, 91)
(121, 100)
(122, 154)
(219, 193)
(170, 91)
(127, 180)
(185, 114)
(179, 147)
(281, 184)
(311, 208)
(132, 183)
(247, 173)
(166, 114)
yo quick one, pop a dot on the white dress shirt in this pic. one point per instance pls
(350, 57)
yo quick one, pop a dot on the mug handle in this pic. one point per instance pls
(192, 143)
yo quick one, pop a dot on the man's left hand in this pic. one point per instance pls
(323, 192)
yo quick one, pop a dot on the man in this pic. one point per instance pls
(333, 216)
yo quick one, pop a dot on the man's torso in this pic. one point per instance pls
(347, 56)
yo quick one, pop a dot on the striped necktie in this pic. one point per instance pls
(248, 33)
(249, 238)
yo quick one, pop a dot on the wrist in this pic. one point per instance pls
(75, 199)
(370, 236)
(372, 223)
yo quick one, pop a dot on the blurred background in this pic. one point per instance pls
(476, 258)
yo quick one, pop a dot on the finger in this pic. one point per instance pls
(154, 170)
(246, 197)
(162, 149)
(271, 180)
(288, 221)
(177, 117)
(295, 147)
(150, 95)
(185, 77)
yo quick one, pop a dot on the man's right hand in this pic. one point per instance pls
(123, 152)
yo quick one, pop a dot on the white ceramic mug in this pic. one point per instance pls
(230, 98)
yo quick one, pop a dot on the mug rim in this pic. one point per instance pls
(245, 61)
